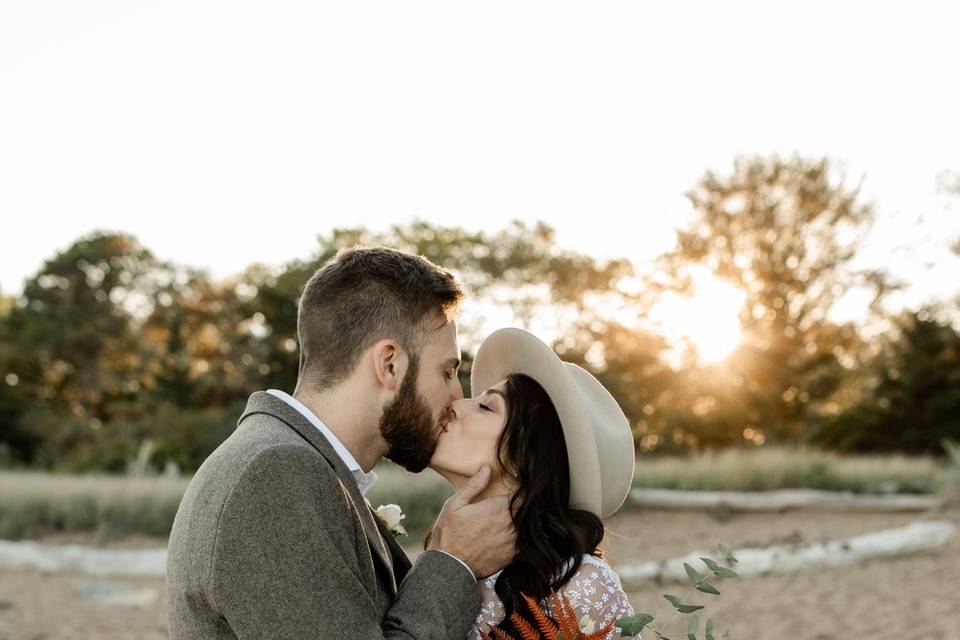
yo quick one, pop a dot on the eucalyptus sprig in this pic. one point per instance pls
(633, 625)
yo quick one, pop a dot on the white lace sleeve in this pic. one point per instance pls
(491, 609)
(594, 591)
(597, 596)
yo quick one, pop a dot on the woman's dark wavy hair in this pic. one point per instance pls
(532, 451)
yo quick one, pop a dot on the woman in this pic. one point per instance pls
(560, 447)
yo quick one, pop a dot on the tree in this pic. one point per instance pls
(73, 322)
(16, 443)
(913, 400)
(786, 233)
(70, 339)
(200, 344)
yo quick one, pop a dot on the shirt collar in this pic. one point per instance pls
(364, 480)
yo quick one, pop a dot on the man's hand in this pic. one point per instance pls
(481, 534)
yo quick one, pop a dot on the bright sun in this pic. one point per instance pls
(707, 319)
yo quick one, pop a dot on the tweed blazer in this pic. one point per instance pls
(273, 539)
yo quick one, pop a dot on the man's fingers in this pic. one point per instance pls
(495, 512)
(471, 489)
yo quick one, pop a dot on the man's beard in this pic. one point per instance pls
(407, 425)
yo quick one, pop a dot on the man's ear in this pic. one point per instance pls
(389, 363)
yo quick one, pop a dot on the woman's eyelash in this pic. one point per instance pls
(485, 407)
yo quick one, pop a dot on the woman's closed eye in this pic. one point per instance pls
(485, 407)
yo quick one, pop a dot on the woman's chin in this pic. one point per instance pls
(441, 461)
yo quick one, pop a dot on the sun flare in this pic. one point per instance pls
(707, 320)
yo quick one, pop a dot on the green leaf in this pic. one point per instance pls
(660, 636)
(632, 625)
(709, 635)
(720, 572)
(674, 600)
(693, 628)
(680, 606)
(713, 566)
(692, 573)
(706, 587)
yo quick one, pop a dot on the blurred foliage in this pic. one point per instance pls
(112, 357)
(772, 468)
(70, 337)
(36, 504)
(912, 400)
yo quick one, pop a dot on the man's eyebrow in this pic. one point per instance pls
(452, 362)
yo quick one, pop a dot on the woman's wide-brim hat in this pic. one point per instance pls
(597, 434)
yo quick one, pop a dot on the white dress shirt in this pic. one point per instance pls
(364, 480)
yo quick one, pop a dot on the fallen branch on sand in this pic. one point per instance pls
(101, 562)
(776, 559)
(786, 559)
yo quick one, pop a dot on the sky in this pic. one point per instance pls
(226, 133)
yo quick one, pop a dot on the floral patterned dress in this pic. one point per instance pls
(594, 592)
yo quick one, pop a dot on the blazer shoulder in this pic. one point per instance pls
(291, 466)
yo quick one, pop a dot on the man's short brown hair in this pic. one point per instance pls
(363, 295)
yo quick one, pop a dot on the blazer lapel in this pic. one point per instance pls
(263, 402)
(401, 563)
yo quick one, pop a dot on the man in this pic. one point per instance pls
(273, 538)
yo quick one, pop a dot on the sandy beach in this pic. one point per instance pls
(912, 596)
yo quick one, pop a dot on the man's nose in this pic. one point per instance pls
(457, 392)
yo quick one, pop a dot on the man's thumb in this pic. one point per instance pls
(473, 487)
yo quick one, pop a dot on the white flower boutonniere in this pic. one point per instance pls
(391, 515)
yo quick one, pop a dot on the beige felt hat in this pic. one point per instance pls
(597, 434)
